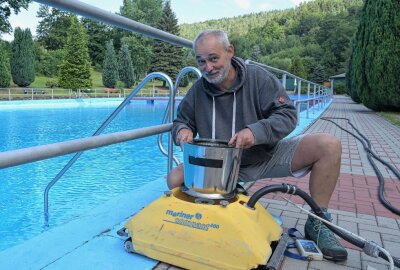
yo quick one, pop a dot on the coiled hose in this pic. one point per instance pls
(291, 189)
(370, 154)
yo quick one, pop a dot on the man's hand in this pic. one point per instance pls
(243, 139)
(184, 135)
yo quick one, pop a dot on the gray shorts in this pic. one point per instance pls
(278, 166)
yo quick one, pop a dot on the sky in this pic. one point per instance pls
(187, 11)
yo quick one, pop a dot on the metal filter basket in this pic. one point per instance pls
(211, 169)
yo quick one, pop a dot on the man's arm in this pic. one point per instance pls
(280, 116)
(184, 126)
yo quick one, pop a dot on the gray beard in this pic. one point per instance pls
(221, 77)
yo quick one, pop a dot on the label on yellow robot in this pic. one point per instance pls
(189, 220)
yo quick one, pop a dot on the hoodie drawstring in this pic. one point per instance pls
(234, 115)
(213, 120)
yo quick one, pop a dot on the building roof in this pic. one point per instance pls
(338, 76)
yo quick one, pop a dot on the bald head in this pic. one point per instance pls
(220, 36)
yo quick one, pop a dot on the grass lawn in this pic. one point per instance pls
(97, 79)
(392, 117)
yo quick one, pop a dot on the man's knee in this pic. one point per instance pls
(316, 147)
(329, 145)
(175, 177)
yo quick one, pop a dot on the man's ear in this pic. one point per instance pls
(231, 49)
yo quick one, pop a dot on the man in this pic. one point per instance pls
(247, 106)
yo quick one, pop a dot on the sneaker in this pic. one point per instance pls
(331, 248)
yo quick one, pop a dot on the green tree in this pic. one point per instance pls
(125, 66)
(256, 54)
(143, 11)
(6, 7)
(243, 46)
(376, 56)
(48, 62)
(281, 63)
(53, 27)
(22, 58)
(75, 70)
(110, 66)
(318, 74)
(98, 35)
(351, 88)
(318, 31)
(141, 53)
(167, 58)
(297, 68)
(5, 75)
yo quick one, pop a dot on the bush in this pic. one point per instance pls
(120, 86)
(51, 83)
(184, 81)
(49, 63)
(340, 89)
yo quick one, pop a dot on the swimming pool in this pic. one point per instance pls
(96, 177)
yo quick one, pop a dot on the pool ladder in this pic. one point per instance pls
(168, 115)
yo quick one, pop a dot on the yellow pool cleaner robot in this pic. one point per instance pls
(207, 223)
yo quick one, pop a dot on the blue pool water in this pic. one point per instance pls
(96, 177)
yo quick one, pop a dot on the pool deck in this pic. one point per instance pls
(91, 242)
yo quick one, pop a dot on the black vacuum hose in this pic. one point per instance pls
(370, 154)
(291, 189)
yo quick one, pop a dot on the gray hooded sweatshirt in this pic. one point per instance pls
(257, 100)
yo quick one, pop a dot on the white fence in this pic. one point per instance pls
(57, 93)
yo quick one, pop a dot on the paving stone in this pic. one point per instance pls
(264, 201)
(389, 237)
(297, 215)
(292, 264)
(358, 220)
(289, 222)
(387, 223)
(350, 226)
(281, 207)
(353, 259)
(341, 212)
(328, 265)
(274, 211)
(378, 261)
(264, 204)
(392, 247)
(301, 223)
(375, 265)
(275, 201)
(371, 236)
(364, 216)
(378, 229)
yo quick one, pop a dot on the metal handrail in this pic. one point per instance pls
(179, 77)
(108, 17)
(273, 69)
(322, 90)
(17, 157)
(99, 130)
